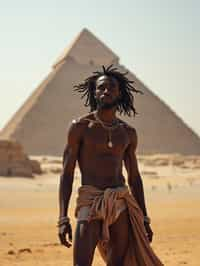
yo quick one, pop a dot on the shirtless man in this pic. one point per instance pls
(101, 142)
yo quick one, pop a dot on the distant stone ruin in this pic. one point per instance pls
(14, 162)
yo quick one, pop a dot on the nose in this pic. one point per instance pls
(106, 91)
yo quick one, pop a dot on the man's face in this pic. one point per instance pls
(107, 92)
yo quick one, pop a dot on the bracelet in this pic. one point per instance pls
(63, 220)
(147, 219)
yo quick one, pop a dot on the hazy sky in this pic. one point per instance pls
(157, 40)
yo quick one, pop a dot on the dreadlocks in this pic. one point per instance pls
(125, 103)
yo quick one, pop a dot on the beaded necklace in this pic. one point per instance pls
(109, 127)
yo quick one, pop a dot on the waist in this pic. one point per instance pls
(103, 183)
(90, 192)
(100, 199)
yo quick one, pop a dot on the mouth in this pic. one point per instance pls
(106, 97)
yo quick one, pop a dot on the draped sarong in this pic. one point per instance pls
(103, 205)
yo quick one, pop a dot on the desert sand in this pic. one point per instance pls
(29, 211)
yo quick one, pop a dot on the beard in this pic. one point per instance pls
(103, 105)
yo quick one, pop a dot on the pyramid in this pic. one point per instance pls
(41, 123)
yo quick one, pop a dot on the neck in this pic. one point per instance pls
(107, 115)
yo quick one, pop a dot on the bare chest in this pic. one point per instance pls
(101, 140)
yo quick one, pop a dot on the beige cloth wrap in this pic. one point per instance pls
(102, 205)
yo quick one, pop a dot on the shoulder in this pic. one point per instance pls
(78, 125)
(84, 119)
(131, 131)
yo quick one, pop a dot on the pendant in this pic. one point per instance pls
(110, 144)
(90, 124)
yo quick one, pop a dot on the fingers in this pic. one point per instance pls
(150, 236)
(64, 232)
(70, 233)
(149, 232)
(63, 240)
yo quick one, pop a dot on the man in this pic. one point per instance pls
(107, 213)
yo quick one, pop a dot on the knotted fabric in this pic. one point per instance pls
(103, 206)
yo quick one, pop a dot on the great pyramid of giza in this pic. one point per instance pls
(42, 121)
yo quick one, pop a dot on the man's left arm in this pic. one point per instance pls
(134, 179)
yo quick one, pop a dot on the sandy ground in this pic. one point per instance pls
(29, 211)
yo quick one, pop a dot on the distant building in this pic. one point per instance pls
(40, 125)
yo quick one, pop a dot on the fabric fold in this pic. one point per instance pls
(103, 205)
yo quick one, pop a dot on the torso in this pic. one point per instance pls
(100, 165)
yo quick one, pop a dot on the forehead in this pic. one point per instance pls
(106, 79)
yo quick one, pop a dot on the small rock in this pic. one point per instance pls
(22, 250)
(11, 252)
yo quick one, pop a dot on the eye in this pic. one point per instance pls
(101, 87)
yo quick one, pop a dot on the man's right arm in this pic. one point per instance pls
(69, 162)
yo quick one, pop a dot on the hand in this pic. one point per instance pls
(65, 230)
(149, 231)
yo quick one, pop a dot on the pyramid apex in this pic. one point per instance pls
(85, 30)
(81, 34)
(88, 49)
